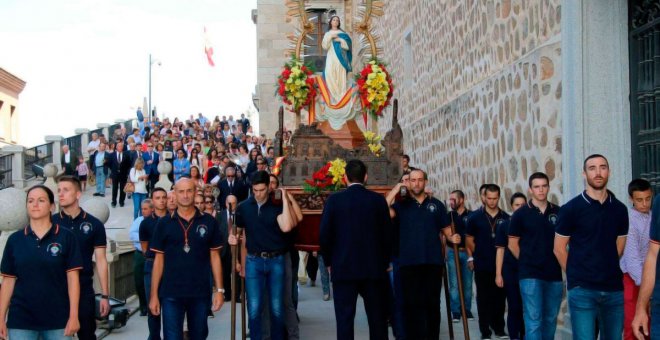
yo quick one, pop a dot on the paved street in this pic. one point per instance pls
(316, 315)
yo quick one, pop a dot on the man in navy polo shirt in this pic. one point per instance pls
(187, 246)
(595, 224)
(531, 241)
(420, 221)
(90, 234)
(265, 226)
(147, 228)
(458, 216)
(480, 235)
(649, 286)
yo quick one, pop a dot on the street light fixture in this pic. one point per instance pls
(151, 63)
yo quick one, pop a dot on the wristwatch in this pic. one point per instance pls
(470, 259)
(104, 297)
(220, 290)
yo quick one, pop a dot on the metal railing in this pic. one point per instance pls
(5, 171)
(35, 158)
(74, 144)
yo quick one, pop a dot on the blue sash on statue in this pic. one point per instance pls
(345, 57)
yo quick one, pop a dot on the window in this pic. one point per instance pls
(407, 58)
(13, 124)
(314, 53)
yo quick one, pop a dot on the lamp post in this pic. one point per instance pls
(151, 63)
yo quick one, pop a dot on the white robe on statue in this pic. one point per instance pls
(335, 79)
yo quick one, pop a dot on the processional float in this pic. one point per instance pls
(310, 164)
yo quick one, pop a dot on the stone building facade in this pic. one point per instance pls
(10, 88)
(492, 90)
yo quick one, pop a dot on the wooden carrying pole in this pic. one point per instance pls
(459, 279)
(450, 325)
(234, 251)
(243, 299)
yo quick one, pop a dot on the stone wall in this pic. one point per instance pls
(479, 90)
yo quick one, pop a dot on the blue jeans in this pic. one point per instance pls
(587, 306)
(193, 309)
(24, 334)
(153, 321)
(466, 275)
(265, 273)
(541, 303)
(137, 204)
(100, 181)
(654, 322)
(325, 276)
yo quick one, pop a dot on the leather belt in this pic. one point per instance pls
(268, 254)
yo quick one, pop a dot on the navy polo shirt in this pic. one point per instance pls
(186, 274)
(594, 228)
(419, 226)
(147, 229)
(483, 228)
(502, 241)
(90, 233)
(41, 298)
(262, 230)
(536, 233)
(654, 235)
(460, 220)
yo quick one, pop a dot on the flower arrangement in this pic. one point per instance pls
(328, 178)
(296, 85)
(373, 141)
(375, 88)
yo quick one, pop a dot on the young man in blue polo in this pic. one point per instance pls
(531, 241)
(187, 246)
(480, 234)
(147, 230)
(90, 234)
(265, 225)
(419, 222)
(595, 225)
(459, 216)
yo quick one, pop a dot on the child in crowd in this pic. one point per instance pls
(81, 171)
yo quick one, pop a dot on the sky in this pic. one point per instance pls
(87, 61)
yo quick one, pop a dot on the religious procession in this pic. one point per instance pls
(511, 196)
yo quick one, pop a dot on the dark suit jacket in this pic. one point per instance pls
(153, 168)
(221, 217)
(117, 170)
(356, 234)
(70, 169)
(106, 163)
(211, 173)
(239, 190)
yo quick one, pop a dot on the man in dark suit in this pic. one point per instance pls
(151, 159)
(245, 122)
(356, 249)
(69, 161)
(120, 166)
(231, 186)
(136, 153)
(224, 216)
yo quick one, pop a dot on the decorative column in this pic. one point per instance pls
(57, 149)
(17, 171)
(84, 140)
(105, 127)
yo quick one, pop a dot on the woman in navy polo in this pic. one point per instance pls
(40, 263)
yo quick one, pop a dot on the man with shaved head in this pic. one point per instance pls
(189, 241)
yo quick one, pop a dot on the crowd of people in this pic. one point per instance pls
(394, 253)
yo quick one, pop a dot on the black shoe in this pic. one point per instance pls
(114, 205)
(470, 317)
(96, 194)
(121, 205)
(455, 317)
(101, 195)
(501, 335)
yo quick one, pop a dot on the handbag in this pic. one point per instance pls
(129, 187)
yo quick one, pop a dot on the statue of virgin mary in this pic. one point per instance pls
(337, 66)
